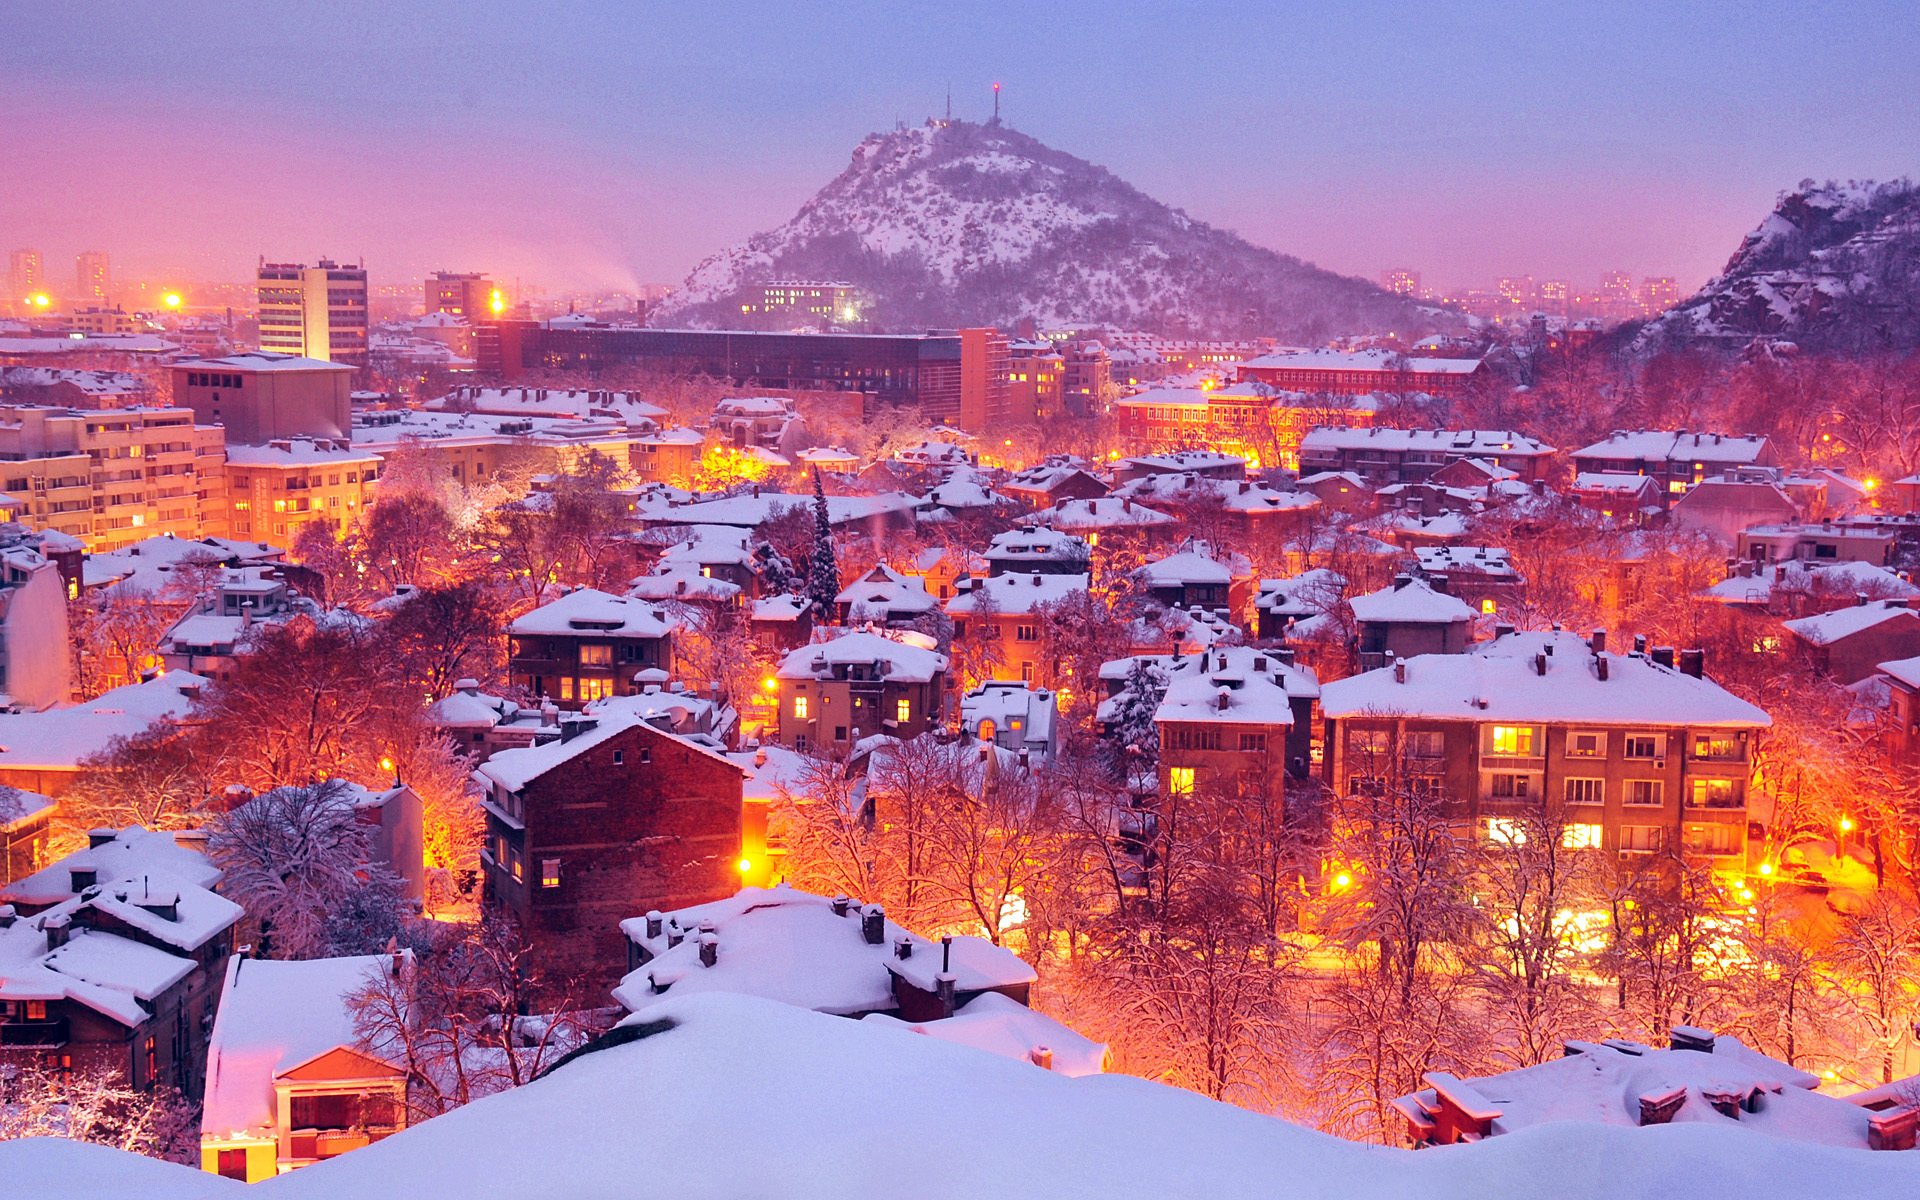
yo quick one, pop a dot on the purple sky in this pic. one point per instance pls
(616, 143)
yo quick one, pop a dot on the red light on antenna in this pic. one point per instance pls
(996, 87)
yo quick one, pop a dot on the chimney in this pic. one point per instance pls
(1042, 1057)
(97, 838)
(1694, 663)
(903, 947)
(1503, 629)
(162, 902)
(1222, 700)
(654, 922)
(1690, 1037)
(873, 924)
(82, 878)
(1401, 580)
(840, 905)
(943, 989)
(1600, 668)
(1399, 670)
(709, 949)
(573, 727)
(1639, 643)
(6, 916)
(1663, 656)
(393, 961)
(1598, 641)
(58, 929)
(1540, 664)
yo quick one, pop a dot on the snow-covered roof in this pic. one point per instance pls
(1614, 482)
(1197, 566)
(299, 451)
(766, 1097)
(1183, 460)
(681, 581)
(1677, 447)
(274, 1016)
(516, 768)
(1008, 1028)
(1838, 581)
(1242, 496)
(152, 565)
(1093, 514)
(788, 945)
(1015, 593)
(1906, 670)
(1497, 681)
(1307, 594)
(1606, 1083)
(1478, 443)
(1467, 560)
(749, 510)
(884, 594)
(1824, 629)
(58, 1168)
(903, 657)
(1037, 543)
(133, 852)
(1361, 360)
(1410, 601)
(1236, 685)
(261, 361)
(1014, 707)
(590, 611)
(18, 808)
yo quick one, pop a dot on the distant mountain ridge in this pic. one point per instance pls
(956, 223)
(1835, 267)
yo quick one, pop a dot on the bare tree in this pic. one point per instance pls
(96, 1107)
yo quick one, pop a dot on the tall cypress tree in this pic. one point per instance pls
(823, 573)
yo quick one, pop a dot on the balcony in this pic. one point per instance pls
(34, 1033)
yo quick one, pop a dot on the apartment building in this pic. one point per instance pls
(1640, 756)
(259, 396)
(589, 645)
(314, 312)
(277, 488)
(1675, 460)
(1380, 455)
(35, 668)
(113, 477)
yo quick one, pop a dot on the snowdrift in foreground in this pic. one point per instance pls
(745, 1097)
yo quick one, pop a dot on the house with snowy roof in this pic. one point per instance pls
(1903, 705)
(1383, 456)
(884, 596)
(1006, 609)
(479, 723)
(683, 583)
(781, 622)
(110, 960)
(853, 683)
(215, 628)
(1646, 756)
(1818, 541)
(1483, 576)
(1281, 604)
(1211, 464)
(1235, 717)
(288, 1082)
(843, 958)
(1357, 372)
(1014, 716)
(1196, 576)
(1676, 461)
(615, 813)
(1618, 495)
(24, 821)
(1059, 477)
(1701, 1077)
(1798, 587)
(1105, 517)
(1726, 506)
(1337, 489)
(589, 644)
(1410, 616)
(1848, 644)
(1037, 547)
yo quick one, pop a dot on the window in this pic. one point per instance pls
(1645, 791)
(595, 689)
(232, 1164)
(1712, 839)
(1642, 745)
(1716, 746)
(903, 709)
(800, 708)
(1255, 743)
(1512, 787)
(1586, 743)
(1712, 793)
(1643, 838)
(1580, 837)
(619, 758)
(1369, 741)
(646, 754)
(514, 866)
(839, 733)
(1504, 831)
(549, 872)
(1513, 740)
(596, 654)
(1025, 633)
(1428, 743)
(1180, 781)
(1586, 791)
(566, 687)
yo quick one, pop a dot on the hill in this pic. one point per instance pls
(955, 223)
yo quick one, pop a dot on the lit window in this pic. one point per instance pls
(549, 872)
(566, 687)
(903, 709)
(1580, 837)
(1504, 831)
(800, 707)
(1487, 605)
(1516, 740)
(1180, 781)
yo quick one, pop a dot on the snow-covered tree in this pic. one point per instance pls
(823, 571)
(298, 859)
(1136, 738)
(94, 1106)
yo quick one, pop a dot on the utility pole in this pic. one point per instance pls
(996, 104)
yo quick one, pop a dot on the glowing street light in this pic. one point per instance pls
(171, 299)
(743, 866)
(40, 300)
(1846, 824)
(497, 302)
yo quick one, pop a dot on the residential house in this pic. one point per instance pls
(1005, 609)
(614, 815)
(1057, 478)
(1903, 706)
(43, 751)
(1014, 716)
(1848, 644)
(1483, 576)
(884, 596)
(1038, 549)
(1676, 462)
(1411, 616)
(1236, 718)
(1382, 456)
(24, 821)
(289, 1081)
(836, 691)
(588, 645)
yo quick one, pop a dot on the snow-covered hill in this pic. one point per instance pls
(954, 223)
(1834, 267)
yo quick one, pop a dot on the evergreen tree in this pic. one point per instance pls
(823, 573)
(1136, 737)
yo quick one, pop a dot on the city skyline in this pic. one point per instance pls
(1469, 145)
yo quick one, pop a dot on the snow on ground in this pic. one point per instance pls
(745, 1097)
(57, 1169)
